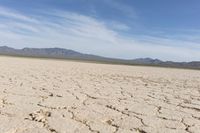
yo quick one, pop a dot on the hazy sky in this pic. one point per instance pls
(163, 29)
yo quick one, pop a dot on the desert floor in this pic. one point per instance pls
(54, 96)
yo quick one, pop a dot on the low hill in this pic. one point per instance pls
(61, 53)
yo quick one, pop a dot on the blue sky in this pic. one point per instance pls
(163, 29)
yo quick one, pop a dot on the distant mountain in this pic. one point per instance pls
(48, 53)
(147, 61)
(60, 53)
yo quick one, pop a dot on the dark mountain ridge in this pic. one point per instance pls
(61, 53)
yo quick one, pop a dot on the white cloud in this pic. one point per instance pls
(11, 14)
(127, 10)
(87, 34)
(119, 26)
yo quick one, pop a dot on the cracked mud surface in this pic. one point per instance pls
(51, 96)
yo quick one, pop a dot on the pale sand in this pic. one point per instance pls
(52, 96)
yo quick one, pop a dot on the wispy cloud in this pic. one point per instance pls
(119, 26)
(14, 15)
(122, 7)
(71, 30)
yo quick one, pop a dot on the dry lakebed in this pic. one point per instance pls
(57, 96)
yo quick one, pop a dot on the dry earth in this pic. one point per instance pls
(51, 96)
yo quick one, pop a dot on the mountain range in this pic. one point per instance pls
(60, 53)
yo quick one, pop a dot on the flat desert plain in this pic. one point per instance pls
(54, 96)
